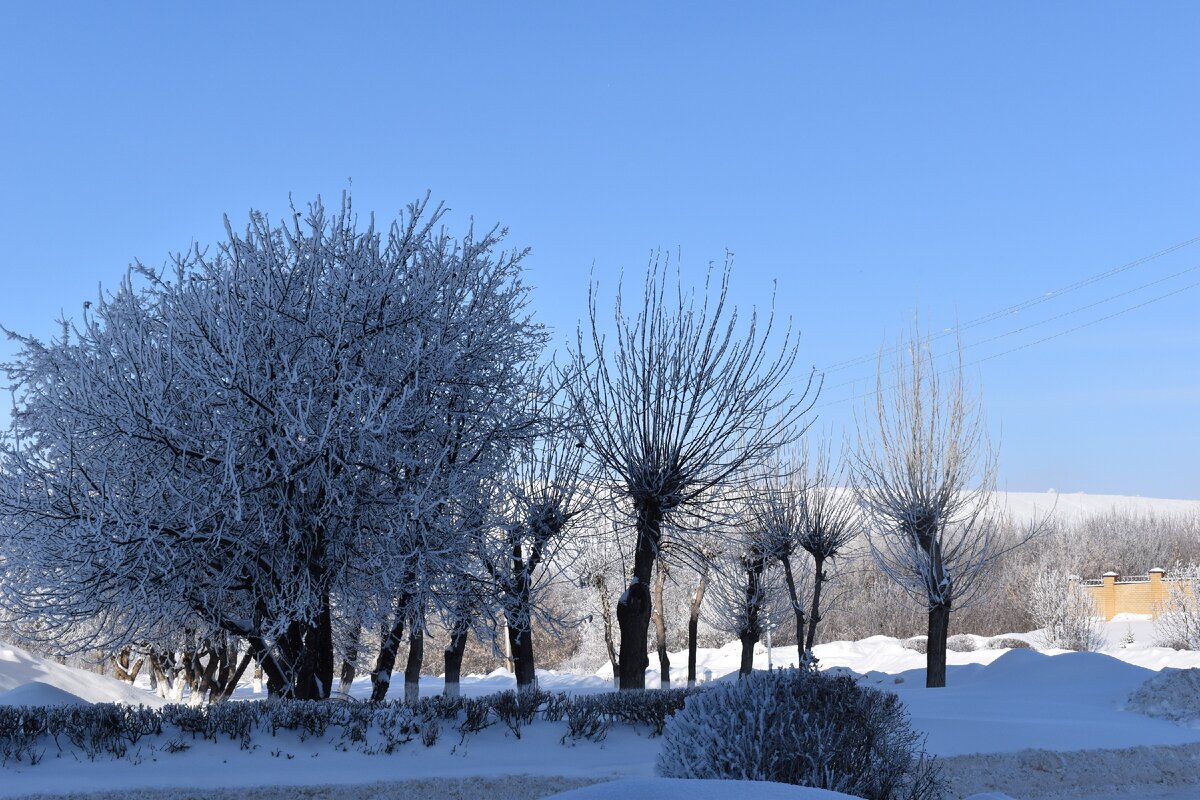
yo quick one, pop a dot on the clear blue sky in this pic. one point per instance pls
(873, 159)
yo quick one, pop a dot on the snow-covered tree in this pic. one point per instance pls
(923, 471)
(262, 432)
(1064, 612)
(544, 495)
(675, 405)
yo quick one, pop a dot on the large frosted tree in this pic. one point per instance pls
(676, 403)
(259, 433)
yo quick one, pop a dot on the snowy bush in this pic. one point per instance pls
(961, 643)
(1064, 612)
(1007, 643)
(1179, 624)
(590, 717)
(917, 643)
(800, 727)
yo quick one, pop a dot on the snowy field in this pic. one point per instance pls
(998, 703)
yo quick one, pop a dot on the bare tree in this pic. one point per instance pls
(543, 498)
(830, 520)
(745, 591)
(923, 471)
(777, 514)
(677, 405)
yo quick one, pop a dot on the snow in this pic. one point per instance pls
(684, 789)
(1028, 722)
(37, 693)
(1025, 506)
(18, 668)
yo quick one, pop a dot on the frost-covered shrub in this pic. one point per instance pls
(801, 727)
(917, 643)
(590, 717)
(1064, 612)
(1008, 643)
(1172, 694)
(961, 643)
(1179, 624)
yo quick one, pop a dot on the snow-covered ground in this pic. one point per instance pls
(997, 702)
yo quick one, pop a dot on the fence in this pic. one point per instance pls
(1133, 594)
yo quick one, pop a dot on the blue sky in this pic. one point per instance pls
(871, 161)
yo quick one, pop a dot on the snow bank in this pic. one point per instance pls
(18, 667)
(509, 787)
(688, 789)
(1173, 694)
(1143, 772)
(39, 694)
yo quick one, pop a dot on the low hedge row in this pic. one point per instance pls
(27, 733)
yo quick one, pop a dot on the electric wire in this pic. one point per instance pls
(1027, 345)
(1021, 306)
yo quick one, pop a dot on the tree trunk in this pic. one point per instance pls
(660, 629)
(634, 607)
(797, 606)
(453, 659)
(323, 645)
(385, 662)
(606, 613)
(230, 685)
(350, 660)
(121, 666)
(815, 614)
(935, 657)
(521, 645)
(751, 630)
(694, 627)
(412, 669)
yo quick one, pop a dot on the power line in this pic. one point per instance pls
(1046, 321)
(1031, 302)
(1034, 343)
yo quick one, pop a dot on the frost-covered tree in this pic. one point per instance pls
(1064, 612)
(676, 404)
(1178, 624)
(262, 432)
(745, 593)
(543, 496)
(923, 471)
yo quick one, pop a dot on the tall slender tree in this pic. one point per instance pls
(923, 472)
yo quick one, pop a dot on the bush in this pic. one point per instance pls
(1179, 624)
(801, 727)
(111, 730)
(918, 643)
(1064, 612)
(961, 643)
(1008, 643)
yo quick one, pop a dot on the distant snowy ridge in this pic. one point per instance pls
(1026, 506)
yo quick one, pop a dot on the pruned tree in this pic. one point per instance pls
(829, 520)
(777, 514)
(677, 404)
(745, 593)
(923, 471)
(543, 496)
